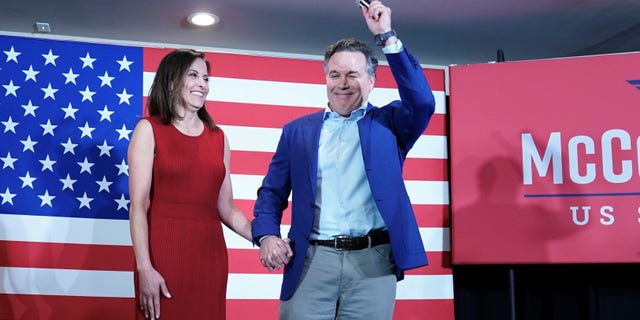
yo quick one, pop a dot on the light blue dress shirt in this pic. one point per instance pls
(344, 203)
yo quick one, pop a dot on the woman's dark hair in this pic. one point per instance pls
(165, 89)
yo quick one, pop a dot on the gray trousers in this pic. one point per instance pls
(344, 285)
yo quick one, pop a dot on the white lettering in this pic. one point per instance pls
(552, 152)
(615, 143)
(574, 168)
(574, 214)
(607, 218)
(607, 156)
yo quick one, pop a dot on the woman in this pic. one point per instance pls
(180, 191)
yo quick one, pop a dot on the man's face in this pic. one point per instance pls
(348, 84)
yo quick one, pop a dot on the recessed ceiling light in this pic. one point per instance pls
(203, 19)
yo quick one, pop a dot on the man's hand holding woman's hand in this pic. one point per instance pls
(275, 252)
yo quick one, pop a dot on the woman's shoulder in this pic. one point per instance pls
(156, 119)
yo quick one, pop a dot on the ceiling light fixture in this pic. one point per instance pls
(203, 19)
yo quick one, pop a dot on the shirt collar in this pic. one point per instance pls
(355, 113)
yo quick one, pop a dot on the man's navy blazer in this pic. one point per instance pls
(386, 135)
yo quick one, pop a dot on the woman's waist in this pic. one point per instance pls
(183, 210)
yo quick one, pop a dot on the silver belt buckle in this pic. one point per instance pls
(336, 241)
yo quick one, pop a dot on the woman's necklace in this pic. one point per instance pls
(190, 130)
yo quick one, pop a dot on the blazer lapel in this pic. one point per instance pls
(364, 125)
(311, 139)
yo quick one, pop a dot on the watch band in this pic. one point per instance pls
(381, 38)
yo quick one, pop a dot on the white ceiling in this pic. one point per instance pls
(439, 32)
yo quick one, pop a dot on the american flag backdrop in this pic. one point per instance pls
(67, 110)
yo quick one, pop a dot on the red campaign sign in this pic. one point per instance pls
(545, 161)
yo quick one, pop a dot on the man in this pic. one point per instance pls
(353, 232)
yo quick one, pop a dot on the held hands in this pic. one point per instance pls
(275, 252)
(151, 283)
(377, 16)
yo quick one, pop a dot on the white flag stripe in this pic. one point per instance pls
(66, 282)
(17, 227)
(119, 284)
(382, 96)
(419, 287)
(116, 232)
(245, 187)
(412, 287)
(427, 192)
(436, 239)
(429, 147)
(266, 140)
(433, 239)
(278, 93)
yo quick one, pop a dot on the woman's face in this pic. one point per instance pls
(195, 86)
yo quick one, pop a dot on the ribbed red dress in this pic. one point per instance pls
(185, 233)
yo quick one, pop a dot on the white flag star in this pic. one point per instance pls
(27, 180)
(105, 114)
(49, 92)
(106, 79)
(124, 96)
(8, 161)
(123, 168)
(9, 125)
(28, 144)
(69, 146)
(46, 199)
(105, 149)
(87, 94)
(70, 76)
(7, 196)
(69, 111)
(29, 108)
(85, 166)
(30, 74)
(67, 182)
(86, 130)
(87, 61)
(104, 184)
(47, 164)
(123, 203)
(13, 55)
(50, 58)
(85, 201)
(48, 128)
(124, 64)
(11, 89)
(123, 133)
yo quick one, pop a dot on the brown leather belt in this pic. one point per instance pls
(341, 243)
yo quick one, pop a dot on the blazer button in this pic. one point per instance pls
(312, 204)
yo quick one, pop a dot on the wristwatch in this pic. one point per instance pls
(381, 38)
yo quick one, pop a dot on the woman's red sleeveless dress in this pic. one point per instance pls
(186, 241)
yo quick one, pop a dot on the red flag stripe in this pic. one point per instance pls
(257, 163)
(427, 215)
(424, 309)
(255, 67)
(23, 306)
(246, 261)
(120, 258)
(16, 306)
(404, 309)
(66, 256)
(266, 116)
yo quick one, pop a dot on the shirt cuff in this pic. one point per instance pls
(264, 237)
(393, 48)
